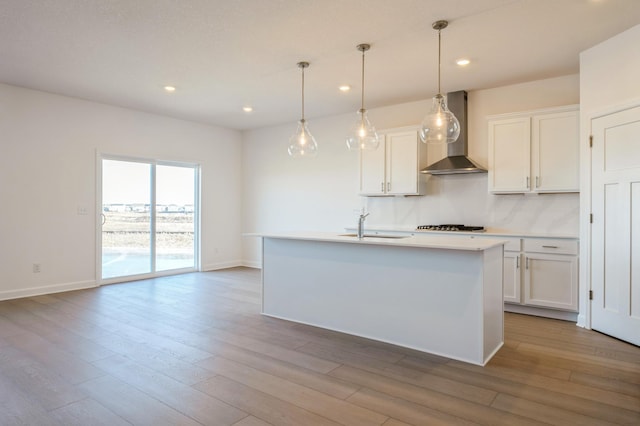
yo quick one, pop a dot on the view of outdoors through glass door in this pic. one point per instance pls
(148, 222)
(175, 227)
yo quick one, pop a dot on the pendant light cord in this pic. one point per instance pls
(439, 66)
(302, 92)
(362, 104)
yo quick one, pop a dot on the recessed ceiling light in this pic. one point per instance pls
(344, 88)
(170, 89)
(247, 108)
(462, 62)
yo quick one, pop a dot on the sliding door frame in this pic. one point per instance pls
(152, 209)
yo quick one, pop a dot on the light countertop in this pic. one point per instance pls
(419, 241)
(489, 232)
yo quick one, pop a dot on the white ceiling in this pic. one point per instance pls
(223, 54)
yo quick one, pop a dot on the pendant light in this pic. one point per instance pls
(302, 143)
(362, 135)
(439, 125)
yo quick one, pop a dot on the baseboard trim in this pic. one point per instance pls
(221, 265)
(582, 321)
(252, 264)
(48, 289)
(541, 312)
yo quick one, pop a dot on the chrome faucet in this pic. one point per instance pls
(361, 225)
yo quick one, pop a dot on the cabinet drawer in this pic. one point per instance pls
(550, 245)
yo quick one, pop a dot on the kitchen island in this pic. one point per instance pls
(435, 294)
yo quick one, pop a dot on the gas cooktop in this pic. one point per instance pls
(451, 227)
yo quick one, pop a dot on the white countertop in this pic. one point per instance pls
(489, 232)
(419, 241)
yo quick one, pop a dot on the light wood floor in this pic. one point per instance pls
(193, 349)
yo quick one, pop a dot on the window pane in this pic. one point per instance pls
(126, 232)
(175, 227)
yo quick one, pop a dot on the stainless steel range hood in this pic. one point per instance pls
(456, 161)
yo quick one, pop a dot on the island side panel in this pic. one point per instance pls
(422, 298)
(493, 294)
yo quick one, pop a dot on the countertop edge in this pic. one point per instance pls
(442, 242)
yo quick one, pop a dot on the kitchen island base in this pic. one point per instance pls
(446, 302)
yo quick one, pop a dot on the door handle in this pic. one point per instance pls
(104, 218)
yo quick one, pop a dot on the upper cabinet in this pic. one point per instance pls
(393, 168)
(536, 151)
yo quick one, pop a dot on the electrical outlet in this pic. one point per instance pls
(36, 268)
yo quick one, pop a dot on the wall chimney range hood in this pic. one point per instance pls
(456, 161)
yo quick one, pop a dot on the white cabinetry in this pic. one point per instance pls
(544, 273)
(535, 151)
(393, 168)
(551, 274)
(512, 275)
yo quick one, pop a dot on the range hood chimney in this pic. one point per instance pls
(456, 161)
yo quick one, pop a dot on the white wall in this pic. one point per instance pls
(608, 82)
(48, 146)
(281, 193)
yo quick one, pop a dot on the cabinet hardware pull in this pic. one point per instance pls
(388, 186)
(381, 186)
(549, 246)
(526, 265)
(537, 186)
(518, 262)
(527, 182)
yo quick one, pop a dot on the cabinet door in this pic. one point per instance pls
(551, 281)
(511, 279)
(555, 152)
(402, 162)
(509, 155)
(372, 170)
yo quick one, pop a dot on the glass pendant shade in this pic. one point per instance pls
(439, 125)
(362, 135)
(302, 143)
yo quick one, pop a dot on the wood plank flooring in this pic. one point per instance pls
(194, 350)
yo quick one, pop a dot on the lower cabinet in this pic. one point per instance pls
(544, 274)
(511, 280)
(551, 279)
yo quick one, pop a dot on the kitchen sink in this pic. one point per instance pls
(375, 236)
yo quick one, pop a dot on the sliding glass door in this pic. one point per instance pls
(175, 225)
(149, 218)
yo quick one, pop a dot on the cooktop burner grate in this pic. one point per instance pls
(451, 227)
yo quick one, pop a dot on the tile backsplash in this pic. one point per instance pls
(465, 199)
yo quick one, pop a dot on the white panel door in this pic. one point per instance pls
(551, 281)
(402, 162)
(511, 277)
(555, 152)
(372, 170)
(615, 249)
(509, 155)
